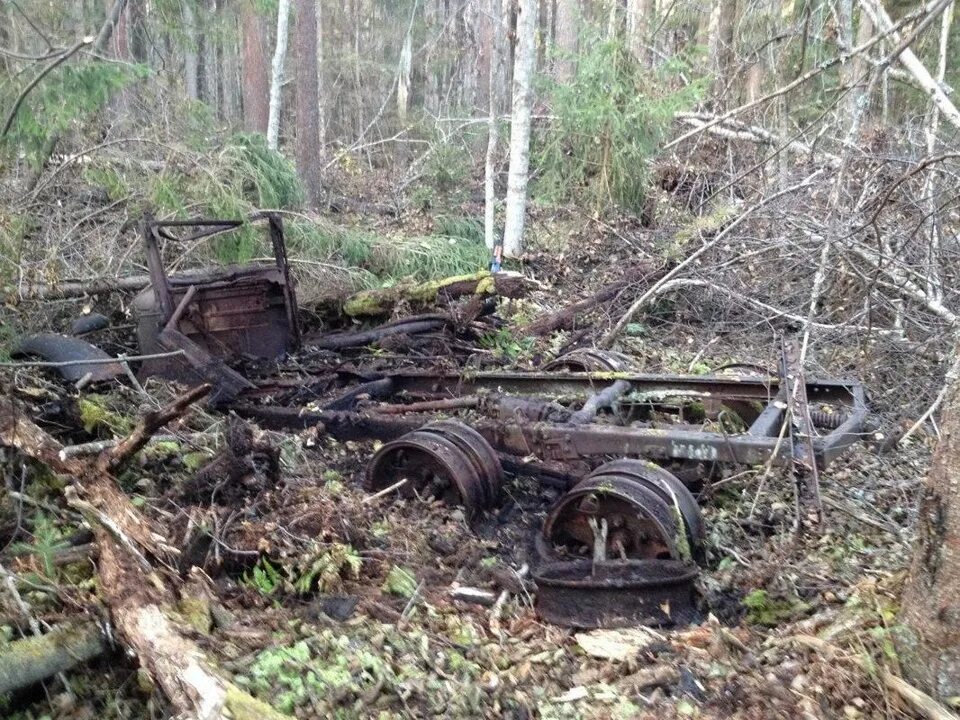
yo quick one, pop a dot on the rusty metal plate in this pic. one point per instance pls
(584, 594)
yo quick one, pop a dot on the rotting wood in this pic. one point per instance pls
(371, 303)
(30, 660)
(138, 597)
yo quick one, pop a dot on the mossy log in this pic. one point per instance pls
(373, 303)
(25, 662)
(141, 595)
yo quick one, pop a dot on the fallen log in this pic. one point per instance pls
(25, 662)
(380, 301)
(134, 582)
(75, 288)
(565, 318)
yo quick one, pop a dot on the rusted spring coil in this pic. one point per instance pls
(828, 420)
(648, 512)
(446, 460)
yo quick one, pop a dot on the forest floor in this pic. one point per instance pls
(326, 604)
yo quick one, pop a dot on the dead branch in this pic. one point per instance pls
(909, 60)
(148, 424)
(565, 318)
(136, 596)
(76, 288)
(25, 662)
(611, 336)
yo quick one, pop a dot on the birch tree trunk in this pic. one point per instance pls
(276, 77)
(929, 646)
(308, 102)
(403, 79)
(255, 86)
(497, 39)
(520, 128)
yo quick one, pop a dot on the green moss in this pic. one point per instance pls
(196, 612)
(195, 460)
(243, 706)
(95, 416)
(400, 582)
(764, 610)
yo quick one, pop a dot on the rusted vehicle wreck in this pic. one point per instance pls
(629, 451)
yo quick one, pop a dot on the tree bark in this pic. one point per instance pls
(276, 76)
(930, 645)
(191, 51)
(496, 55)
(25, 662)
(568, 22)
(308, 103)
(720, 43)
(520, 129)
(638, 22)
(255, 88)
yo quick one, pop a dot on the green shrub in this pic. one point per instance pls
(609, 122)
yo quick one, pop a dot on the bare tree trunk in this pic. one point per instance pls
(723, 16)
(230, 89)
(191, 57)
(496, 55)
(403, 79)
(308, 102)
(523, 70)
(276, 77)
(860, 66)
(255, 88)
(638, 22)
(931, 186)
(847, 69)
(930, 644)
(568, 22)
(322, 101)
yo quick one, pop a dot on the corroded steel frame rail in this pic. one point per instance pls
(563, 442)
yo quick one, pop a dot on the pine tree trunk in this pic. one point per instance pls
(308, 102)
(191, 57)
(930, 644)
(638, 19)
(568, 22)
(322, 132)
(276, 76)
(255, 86)
(523, 71)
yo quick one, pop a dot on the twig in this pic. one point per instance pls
(609, 338)
(94, 361)
(385, 491)
(949, 380)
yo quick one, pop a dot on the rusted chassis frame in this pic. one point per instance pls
(559, 442)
